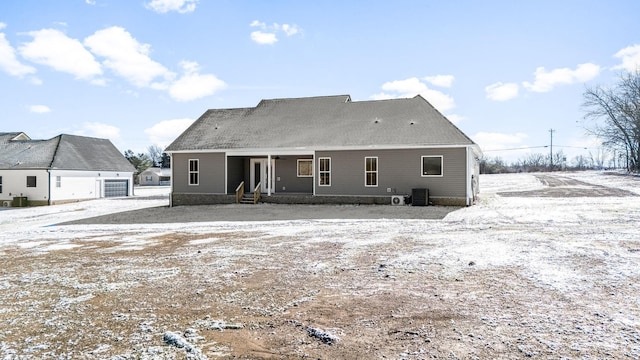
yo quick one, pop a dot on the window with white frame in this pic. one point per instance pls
(31, 181)
(431, 165)
(324, 171)
(371, 171)
(194, 171)
(305, 167)
(58, 181)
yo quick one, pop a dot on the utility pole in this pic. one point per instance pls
(551, 150)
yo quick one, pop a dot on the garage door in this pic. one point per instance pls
(115, 188)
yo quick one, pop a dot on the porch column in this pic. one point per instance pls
(269, 175)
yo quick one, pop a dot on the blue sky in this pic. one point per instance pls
(139, 72)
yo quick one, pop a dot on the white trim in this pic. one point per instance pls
(311, 150)
(422, 174)
(320, 172)
(298, 168)
(375, 171)
(189, 172)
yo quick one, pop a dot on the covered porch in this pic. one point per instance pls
(264, 175)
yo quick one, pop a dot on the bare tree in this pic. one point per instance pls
(615, 116)
(155, 155)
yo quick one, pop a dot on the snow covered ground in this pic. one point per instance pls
(514, 276)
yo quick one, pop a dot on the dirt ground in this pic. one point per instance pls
(339, 293)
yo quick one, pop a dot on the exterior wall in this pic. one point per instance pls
(287, 180)
(399, 171)
(236, 174)
(211, 173)
(14, 184)
(74, 185)
(148, 177)
(83, 185)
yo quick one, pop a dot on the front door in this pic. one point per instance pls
(258, 174)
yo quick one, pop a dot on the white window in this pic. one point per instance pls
(148, 178)
(194, 171)
(305, 167)
(324, 171)
(431, 165)
(371, 171)
(58, 181)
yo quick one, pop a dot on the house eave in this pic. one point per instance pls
(312, 150)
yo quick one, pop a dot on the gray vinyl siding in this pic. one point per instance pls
(211, 173)
(398, 170)
(236, 173)
(287, 180)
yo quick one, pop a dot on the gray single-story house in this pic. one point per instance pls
(62, 169)
(326, 149)
(155, 176)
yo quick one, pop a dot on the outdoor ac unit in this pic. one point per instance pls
(397, 200)
(6, 203)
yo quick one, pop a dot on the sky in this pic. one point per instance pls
(139, 72)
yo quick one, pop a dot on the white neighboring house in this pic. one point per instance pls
(155, 176)
(62, 169)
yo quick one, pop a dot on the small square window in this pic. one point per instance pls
(31, 181)
(305, 167)
(431, 165)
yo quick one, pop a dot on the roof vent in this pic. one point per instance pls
(376, 121)
(412, 122)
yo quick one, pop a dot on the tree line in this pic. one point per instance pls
(611, 114)
(154, 157)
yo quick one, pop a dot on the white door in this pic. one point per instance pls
(258, 174)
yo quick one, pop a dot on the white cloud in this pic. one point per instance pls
(268, 34)
(440, 80)
(263, 38)
(411, 87)
(99, 130)
(455, 118)
(512, 145)
(39, 109)
(90, 2)
(164, 6)
(2, 25)
(165, 132)
(8, 61)
(193, 85)
(290, 30)
(630, 58)
(53, 48)
(546, 80)
(128, 58)
(501, 92)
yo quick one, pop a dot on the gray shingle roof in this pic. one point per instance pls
(321, 122)
(68, 152)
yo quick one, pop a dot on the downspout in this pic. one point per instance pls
(53, 159)
(171, 180)
(49, 188)
(468, 171)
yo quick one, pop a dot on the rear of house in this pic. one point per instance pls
(325, 150)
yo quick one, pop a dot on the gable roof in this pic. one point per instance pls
(322, 122)
(66, 152)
